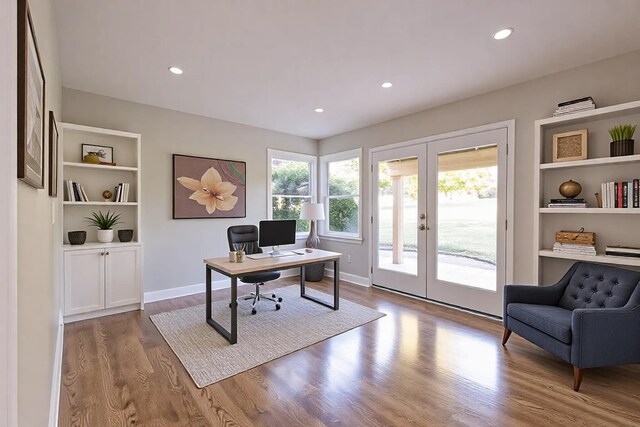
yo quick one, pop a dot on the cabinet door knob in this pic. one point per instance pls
(107, 253)
(101, 253)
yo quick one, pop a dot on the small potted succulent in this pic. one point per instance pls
(621, 140)
(105, 223)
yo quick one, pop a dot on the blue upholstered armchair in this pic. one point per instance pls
(590, 318)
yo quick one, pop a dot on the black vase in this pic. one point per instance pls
(77, 237)
(621, 148)
(125, 235)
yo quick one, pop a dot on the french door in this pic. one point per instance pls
(468, 210)
(399, 219)
(439, 211)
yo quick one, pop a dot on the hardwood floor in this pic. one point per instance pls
(422, 364)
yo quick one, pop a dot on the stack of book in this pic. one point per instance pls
(575, 242)
(574, 106)
(621, 194)
(572, 248)
(622, 251)
(121, 192)
(567, 203)
(75, 192)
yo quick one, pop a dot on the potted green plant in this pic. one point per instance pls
(105, 223)
(621, 140)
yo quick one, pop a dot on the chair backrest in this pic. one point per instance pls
(243, 235)
(599, 286)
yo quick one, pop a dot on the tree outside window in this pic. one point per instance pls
(291, 186)
(341, 177)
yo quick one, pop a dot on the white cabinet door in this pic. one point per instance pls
(122, 276)
(83, 281)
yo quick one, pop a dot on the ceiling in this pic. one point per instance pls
(270, 63)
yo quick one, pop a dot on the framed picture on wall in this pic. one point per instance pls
(208, 188)
(53, 156)
(31, 91)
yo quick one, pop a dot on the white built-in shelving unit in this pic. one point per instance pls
(612, 226)
(100, 278)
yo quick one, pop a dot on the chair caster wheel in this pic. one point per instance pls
(253, 311)
(279, 299)
(277, 307)
(236, 304)
(273, 295)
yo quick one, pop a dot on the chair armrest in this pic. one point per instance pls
(532, 294)
(605, 336)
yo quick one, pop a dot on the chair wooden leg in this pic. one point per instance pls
(505, 335)
(577, 378)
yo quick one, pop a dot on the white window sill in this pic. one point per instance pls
(343, 239)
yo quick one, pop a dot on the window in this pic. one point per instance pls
(341, 183)
(291, 183)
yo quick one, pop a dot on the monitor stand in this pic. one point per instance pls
(276, 252)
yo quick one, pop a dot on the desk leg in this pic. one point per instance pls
(231, 336)
(336, 288)
(336, 284)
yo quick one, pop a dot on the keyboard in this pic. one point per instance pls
(268, 255)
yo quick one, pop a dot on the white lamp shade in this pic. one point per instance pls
(312, 211)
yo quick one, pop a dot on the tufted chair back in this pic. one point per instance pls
(599, 286)
(246, 235)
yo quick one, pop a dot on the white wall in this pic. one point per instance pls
(174, 249)
(609, 82)
(38, 292)
(8, 217)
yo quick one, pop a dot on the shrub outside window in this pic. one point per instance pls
(291, 183)
(341, 179)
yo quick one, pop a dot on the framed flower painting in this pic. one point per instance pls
(208, 188)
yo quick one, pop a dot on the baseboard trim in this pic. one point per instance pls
(56, 382)
(348, 277)
(198, 288)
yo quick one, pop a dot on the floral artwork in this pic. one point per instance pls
(208, 188)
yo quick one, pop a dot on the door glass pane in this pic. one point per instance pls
(397, 215)
(467, 216)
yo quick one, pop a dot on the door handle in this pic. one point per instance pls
(423, 216)
(422, 227)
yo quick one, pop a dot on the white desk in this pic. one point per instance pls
(234, 270)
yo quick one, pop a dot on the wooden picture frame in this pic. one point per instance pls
(191, 200)
(53, 156)
(31, 102)
(570, 146)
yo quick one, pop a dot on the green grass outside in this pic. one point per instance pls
(466, 227)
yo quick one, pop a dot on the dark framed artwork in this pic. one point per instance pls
(103, 152)
(208, 188)
(31, 91)
(53, 156)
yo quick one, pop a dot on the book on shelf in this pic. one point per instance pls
(121, 192)
(621, 194)
(622, 251)
(575, 101)
(574, 106)
(571, 248)
(567, 203)
(76, 192)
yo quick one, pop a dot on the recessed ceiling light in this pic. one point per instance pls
(386, 85)
(503, 34)
(319, 110)
(175, 70)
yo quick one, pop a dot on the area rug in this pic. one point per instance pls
(209, 358)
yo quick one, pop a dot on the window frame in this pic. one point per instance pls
(296, 157)
(324, 182)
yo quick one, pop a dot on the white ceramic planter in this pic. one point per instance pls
(105, 236)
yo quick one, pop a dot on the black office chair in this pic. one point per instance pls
(246, 237)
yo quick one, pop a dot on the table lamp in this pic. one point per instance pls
(312, 212)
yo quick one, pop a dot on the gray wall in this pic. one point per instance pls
(38, 289)
(609, 82)
(174, 249)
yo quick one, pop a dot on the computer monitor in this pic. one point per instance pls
(277, 232)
